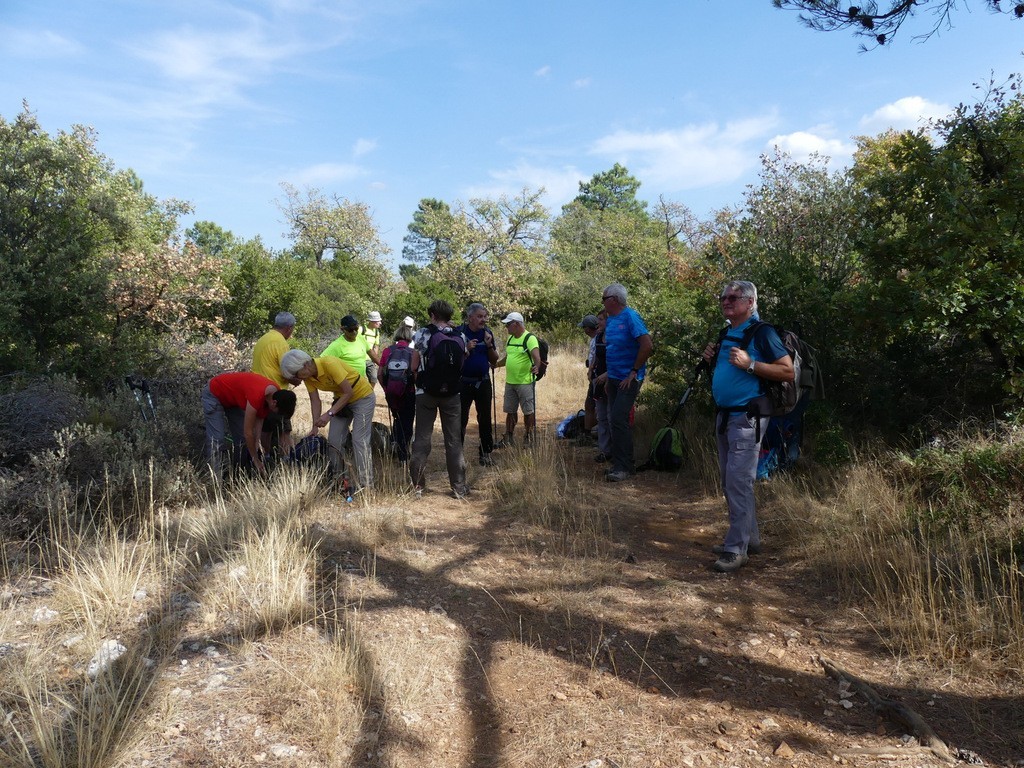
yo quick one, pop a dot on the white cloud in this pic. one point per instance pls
(363, 147)
(582, 82)
(903, 114)
(543, 71)
(36, 44)
(325, 173)
(800, 145)
(560, 184)
(689, 157)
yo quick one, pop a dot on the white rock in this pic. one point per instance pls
(140, 594)
(216, 681)
(73, 641)
(238, 572)
(44, 615)
(284, 750)
(109, 652)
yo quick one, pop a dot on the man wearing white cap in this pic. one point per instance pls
(522, 363)
(372, 333)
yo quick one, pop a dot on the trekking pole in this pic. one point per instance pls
(494, 410)
(700, 367)
(144, 398)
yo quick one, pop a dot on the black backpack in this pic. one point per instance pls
(442, 369)
(779, 398)
(542, 347)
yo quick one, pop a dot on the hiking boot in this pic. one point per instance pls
(417, 492)
(601, 458)
(486, 460)
(616, 476)
(460, 492)
(719, 549)
(505, 442)
(729, 562)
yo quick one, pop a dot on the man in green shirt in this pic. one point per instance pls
(351, 347)
(522, 362)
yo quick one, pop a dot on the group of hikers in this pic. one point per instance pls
(445, 370)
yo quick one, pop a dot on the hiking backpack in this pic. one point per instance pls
(442, 370)
(398, 372)
(666, 450)
(542, 347)
(310, 450)
(780, 397)
(571, 426)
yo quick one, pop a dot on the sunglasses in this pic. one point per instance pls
(731, 297)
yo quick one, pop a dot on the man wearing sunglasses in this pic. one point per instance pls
(736, 381)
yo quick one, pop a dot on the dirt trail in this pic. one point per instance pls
(479, 644)
(644, 657)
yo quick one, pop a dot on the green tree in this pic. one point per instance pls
(322, 226)
(614, 189)
(90, 273)
(491, 250)
(944, 235)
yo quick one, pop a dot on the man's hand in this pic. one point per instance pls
(322, 421)
(710, 351)
(739, 358)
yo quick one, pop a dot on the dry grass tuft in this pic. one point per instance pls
(542, 487)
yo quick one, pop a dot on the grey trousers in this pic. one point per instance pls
(219, 420)
(362, 428)
(737, 463)
(427, 409)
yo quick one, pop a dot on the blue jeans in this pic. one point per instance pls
(620, 403)
(738, 450)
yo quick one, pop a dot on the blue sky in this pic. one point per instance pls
(386, 102)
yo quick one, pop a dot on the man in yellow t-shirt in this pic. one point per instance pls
(372, 334)
(522, 362)
(353, 404)
(266, 361)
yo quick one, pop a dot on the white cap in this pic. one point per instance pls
(409, 321)
(374, 317)
(513, 317)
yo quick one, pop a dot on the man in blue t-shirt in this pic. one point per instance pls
(736, 381)
(481, 355)
(628, 346)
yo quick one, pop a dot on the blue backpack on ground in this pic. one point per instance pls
(312, 449)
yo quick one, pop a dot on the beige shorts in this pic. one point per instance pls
(519, 396)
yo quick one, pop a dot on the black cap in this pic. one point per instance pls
(349, 321)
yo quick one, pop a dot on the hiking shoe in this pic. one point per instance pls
(729, 562)
(616, 476)
(601, 458)
(417, 492)
(460, 492)
(486, 460)
(719, 549)
(505, 442)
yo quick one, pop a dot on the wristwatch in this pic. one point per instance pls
(750, 368)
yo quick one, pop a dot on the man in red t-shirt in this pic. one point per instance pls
(242, 400)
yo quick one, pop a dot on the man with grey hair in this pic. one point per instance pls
(628, 347)
(736, 385)
(481, 357)
(266, 361)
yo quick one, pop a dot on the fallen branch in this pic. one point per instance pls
(894, 711)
